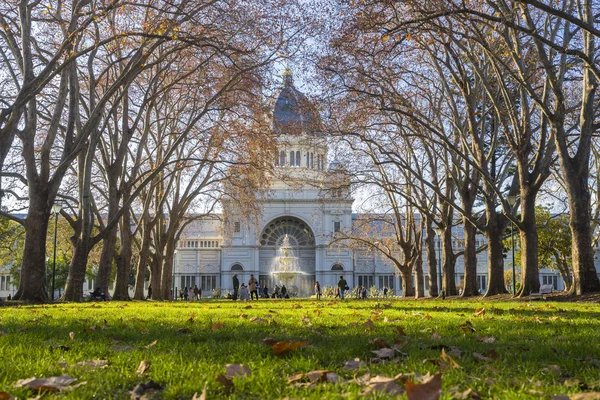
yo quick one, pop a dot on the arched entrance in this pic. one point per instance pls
(302, 241)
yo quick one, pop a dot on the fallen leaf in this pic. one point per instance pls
(449, 360)
(232, 370)
(248, 307)
(480, 312)
(139, 391)
(183, 330)
(216, 326)
(72, 335)
(244, 316)
(202, 396)
(225, 381)
(555, 369)
(436, 336)
(379, 342)
(368, 324)
(467, 327)
(143, 367)
(493, 354)
(429, 389)
(486, 339)
(400, 331)
(286, 346)
(385, 353)
(383, 384)
(258, 320)
(6, 396)
(92, 364)
(354, 364)
(152, 344)
(269, 341)
(191, 319)
(481, 357)
(427, 316)
(586, 396)
(52, 384)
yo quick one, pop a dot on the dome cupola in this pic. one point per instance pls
(294, 114)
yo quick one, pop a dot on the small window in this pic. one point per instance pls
(237, 227)
(282, 158)
(337, 226)
(312, 160)
(292, 158)
(297, 159)
(337, 267)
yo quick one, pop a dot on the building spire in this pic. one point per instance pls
(288, 77)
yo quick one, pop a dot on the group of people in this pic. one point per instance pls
(252, 290)
(185, 293)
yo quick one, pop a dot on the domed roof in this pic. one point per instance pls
(294, 114)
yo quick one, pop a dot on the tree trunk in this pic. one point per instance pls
(124, 259)
(585, 277)
(431, 260)
(470, 287)
(74, 286)
(408, 289)
(420, 290)
(106, 260)
(167, 270)
(449, 263)
(142, 266)
(33, 269)
(493, 234)
(156, 276)
(530, 277)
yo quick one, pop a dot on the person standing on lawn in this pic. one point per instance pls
(252, 287)
(236, 286)
(342, 284)
(196, 292)
(318, 290)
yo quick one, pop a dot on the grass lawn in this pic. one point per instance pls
(505, 350)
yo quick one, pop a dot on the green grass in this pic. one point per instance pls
(532, 339)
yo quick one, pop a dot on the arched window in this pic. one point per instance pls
(282, 158)
(299, 234)
(312, 160)
(337, 267)
(237, 267)
(297, 159)
(292, 158)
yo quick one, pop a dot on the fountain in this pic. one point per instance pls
(287, 264)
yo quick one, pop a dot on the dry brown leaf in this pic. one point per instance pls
(354, 364)
(216, 326)
(449, 360)
(269, 341)
(436, 336)
(486, 339)
(379, 342)
(493, 354)
(400, 331)
(258, 320)
(248, 307)
(286, 346)
(385, 353)
(72, 335)
(202, 396)
(152, 344)
(191, 319)
(52, 384)
(6, 396)
(555, 369)
(145, 390)
(143, 367)
(225, 381)
(232, 370)
(427, 316)
(586, 396)
(467, 327)
(244, 316)
(430, 389)
(368, 324)
(383, 384)
(480, 312)
(93, 363)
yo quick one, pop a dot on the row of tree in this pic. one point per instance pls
(451, 108)
(129, 114)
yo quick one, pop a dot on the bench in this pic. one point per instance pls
(544, 289)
